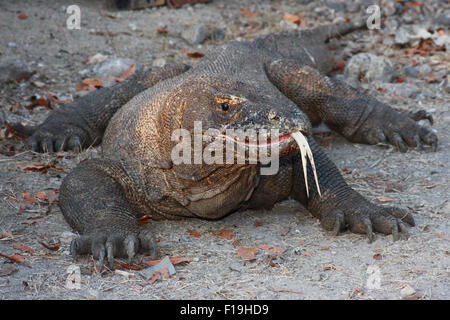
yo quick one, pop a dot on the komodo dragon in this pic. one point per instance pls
(274, 82)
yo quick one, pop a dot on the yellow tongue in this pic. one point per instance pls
(305, 150)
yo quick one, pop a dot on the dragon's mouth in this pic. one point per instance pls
(300, 139)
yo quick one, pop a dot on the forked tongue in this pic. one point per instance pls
(305, 151)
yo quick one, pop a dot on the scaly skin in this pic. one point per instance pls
(274, 82)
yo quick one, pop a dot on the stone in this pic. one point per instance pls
(112, 67)
(371, 66)
(410, 71)
(196, 34)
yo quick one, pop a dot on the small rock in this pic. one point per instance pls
(196, 34)
(389, 8)
(159, 62)
(67, 237)
(410, 71)
(12, 70)
(372, 68)
(112, 67)
(165, 263)
(12, 44)
(407, 291)
(97, 58)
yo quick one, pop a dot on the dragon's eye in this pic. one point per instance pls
(225, 107)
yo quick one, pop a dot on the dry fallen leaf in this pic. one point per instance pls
(246, 253)
(22, 16)
(53, 247)
(271, 248)
(247, 13)
(28, 198)
(130, 71)
(223, 234)
(96, 82)
(42, 167)
(162, 30)
(174, 260)
(292, 18)
(15, 257)
(195, 55)
(193, 233)
(23, 248)
(378, 256)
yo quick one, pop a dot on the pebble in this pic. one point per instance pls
(196, 34)
(407, 291)
(12, 44)
(410, 71)
(371, 66)
(159, 62)
(112, 67)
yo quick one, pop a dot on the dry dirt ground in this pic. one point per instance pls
(313, 265)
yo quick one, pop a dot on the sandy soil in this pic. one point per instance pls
(313, 265)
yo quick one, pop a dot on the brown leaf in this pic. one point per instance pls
(195, 55)
(257, 223)
(292, 18)
(22, 16)
(53, 247)
(174, 260)
(271, 248)
(246, 253)
(162, 30)
(84, 87)
(106, 33)
(130, 71)
(23, 248)
(223, 234)
(15, 257)
(307, 254)
(400, 79)
(42, 167)
(41, 195)
(35, 101)
(378, 256)
(53, 99)
(325, 248)
(96, 82)
(28, 198)
(339, 66)
(193, 233)
(247, 13)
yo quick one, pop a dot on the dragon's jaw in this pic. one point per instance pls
(305, 151)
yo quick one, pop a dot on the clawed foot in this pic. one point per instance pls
(386, 125)
(110, 247)
(367, 219)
